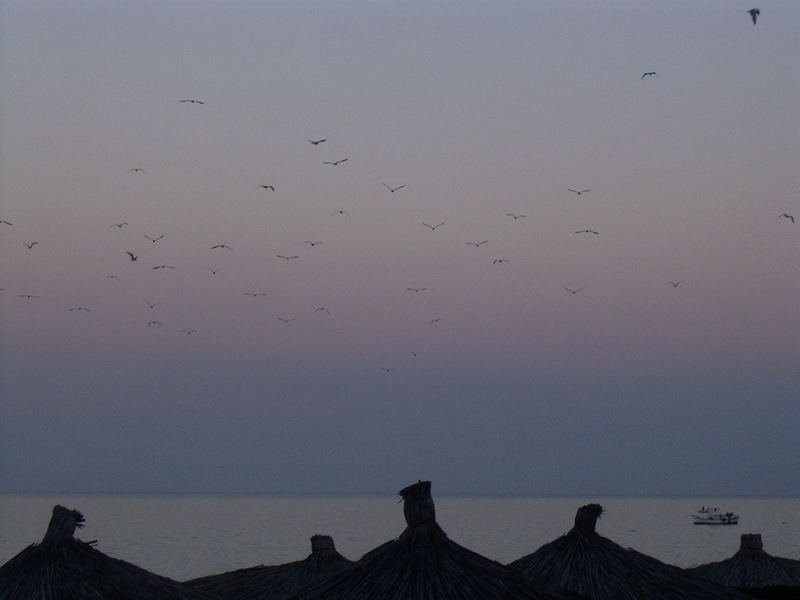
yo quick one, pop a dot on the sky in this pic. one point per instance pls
(671, 370)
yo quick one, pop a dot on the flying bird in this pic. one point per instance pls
(215, 271)
(267, 187)
(675, 283)
(477, 244)
(573, 292)
(27, 296)
(323, 309)
(192, 101)
(317, 142)
(112, 276)
(649, 74)
(417, 289)
(5, 222)
(588, 231)
(282, 320)
(80, 309)
(387, 369)
(222, 246)
(335, 162)
(433, 227)
(434, 321)
(163, 267)
(500, 260)
(786, 216)
(154, 323)
(188, 331)
(312, 244)
(286, 257)
(393, 190)
(341, 212)
(754, 12)
(155, 239)
(414, 353)
(579, 192)
(119, 225)
(134, 258)
(515, 217)
(136, 170)
(255, 294)
(151, 304)
(29, 245)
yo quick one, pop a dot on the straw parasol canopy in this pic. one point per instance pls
(755, 571)
(586, 563)
(64, 568)
(277, 581)
(424, 564)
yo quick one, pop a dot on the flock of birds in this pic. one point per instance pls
(134, 256)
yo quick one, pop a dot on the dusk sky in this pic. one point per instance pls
(495, 378)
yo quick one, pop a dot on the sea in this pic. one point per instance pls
(183, 536)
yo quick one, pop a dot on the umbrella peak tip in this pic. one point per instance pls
(586, 518)
(63, 523)
(418, 507)
(322, 543)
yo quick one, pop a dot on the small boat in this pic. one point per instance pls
(712, 515)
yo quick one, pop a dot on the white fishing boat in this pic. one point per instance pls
(712, 515)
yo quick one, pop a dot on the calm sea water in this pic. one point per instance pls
(185, 536)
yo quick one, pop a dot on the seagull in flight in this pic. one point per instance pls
(416, 289)
(676, 283)
(573, 292)
(588, 231)
(163, 267)
(27, 296)
(134, 258)
(119, 225)
(215, 271)
(112, 276)
(286, 257)
(151, 304)
(579, 192)
(393, 190)
(222, 246)
(154, 323)
(341, 212)
(649, 74)
(414, 353)
(335, 163)
(188, 331)
(754, 12)
(5, 222)
(317, 142)
(497, 261)
(786, 216)
(267, 187)
(29, 245)
(192, 101)
(80, 309)
(434, 321)
(477, 244)
(155, 239)
(515, 217)
(136, 170)
(282, 320)
(312, 244)
(255, 294)
(433, 227)
(387, 369)
(323, 309)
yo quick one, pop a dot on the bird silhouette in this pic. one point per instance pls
(267, 187)
(335, 162)
(579, 192)
(497, 261)
(154, 323)
(312, 244)
(573, 292)
(675, 283)
(155, 239)
(27, 296)
(786, 216)
(477, 244)
(136, 170)
(387, 369)
(588, 231)
(416, 289)
(111, 276)
(151, 304)
(222, 246)
(164, 267)
(4, 222)
(323, 309)
(119, 225)
(393, 190)
(649, 74)
(134, 258)
(282, 320)
(29, 245)
(286, 257)
(215, 271)
(255, 294)
(192, 101)
(317, 142)
(515, 217)
(754, 12)
(434, 321)
(341, 212)
(188, 331)
(433, 227)
(80, 309)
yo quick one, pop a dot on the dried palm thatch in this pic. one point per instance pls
(424, 564)
(755, 571)
(278, 581)
(586, 563)
(64, 568)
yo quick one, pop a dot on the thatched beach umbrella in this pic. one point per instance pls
(64, 568)
(278, 581)
(755, 571)
(424, 564)
(586, 563)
